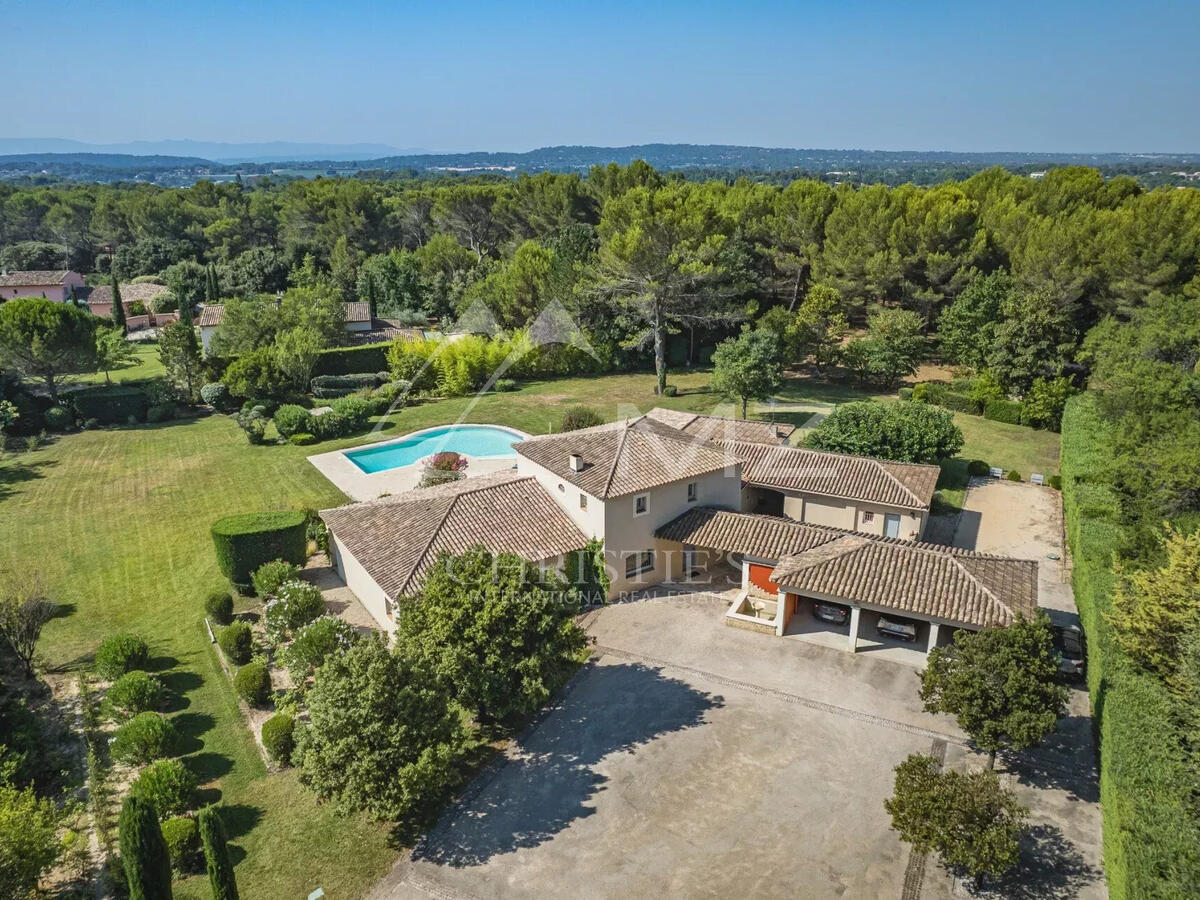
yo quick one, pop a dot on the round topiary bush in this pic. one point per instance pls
(577, 417)
(58, 418)
(182, 838)
(278, 737)
(302, 439)
(978, 467)
(236, 642)
(219, 606)
(145, 737)
(293, 605)
(120, 653)
(245, 542)
(290, 419)
(269, 576)
(1055, 481)
(253, 683)
(168, 784)
(1013, 475)
(216, 395)
(134, 692)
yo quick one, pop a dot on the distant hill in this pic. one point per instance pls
(216, 151)
(103, 160)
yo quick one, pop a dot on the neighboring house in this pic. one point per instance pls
(54, 285)
(672, 506)
(100, 300)
(363, 329)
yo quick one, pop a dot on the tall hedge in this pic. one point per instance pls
(111, 405)
(350, 360)
(1008, 411)
(216, 855)
(1151, 848)
(245, 542)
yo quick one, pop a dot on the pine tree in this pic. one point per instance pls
(118, 308)
(216, 855)
(144, 852)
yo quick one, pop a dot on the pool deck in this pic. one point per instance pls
(359, 485)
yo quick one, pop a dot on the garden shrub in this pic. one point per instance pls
(342, 385)
(160, 412)
(254, 424)
(111, 405)
(1055, 481)
(354, 409)
(393, 391)
(278, 737)
(294, 605)
(182, 838)
(314, 643)
(216, 395)
(503, 385)
(291, 419)
(58, 418)
(120, 653)
(145, 737)
(577, 417)
(134, 692)
(302, 439)
(431, 477)
(219, 606)
(978, 467)
(270, 575)
(1007, 411)
(253, 683)
(1013, 475)
(245, 542)
(961, 403)
(905, 393)
(268, 406)
(348, 360)
(168, 784)
(236, 642)
(670, 390)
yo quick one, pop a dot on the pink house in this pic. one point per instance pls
(55, 285)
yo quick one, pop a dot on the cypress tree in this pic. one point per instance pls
(212, 292)
(216, 855)
(144, 852)
(118, 308)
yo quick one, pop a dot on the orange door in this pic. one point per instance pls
(760, 577)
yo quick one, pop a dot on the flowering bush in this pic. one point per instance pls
(315, 642)
(294, 605)
(448, 461)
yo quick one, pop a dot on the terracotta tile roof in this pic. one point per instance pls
(382, 332)
(397, 539)
(211, 316)
(711, 428)
(33, 279)
(906, 485)
(358, 311)
(927, 580)
(625, 457)
(102, 293)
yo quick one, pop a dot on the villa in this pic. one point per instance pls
(358, 322)
(700, 503)
(54, 285)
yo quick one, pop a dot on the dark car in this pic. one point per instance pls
(1071, 647)
(902, 629)
(833, 613)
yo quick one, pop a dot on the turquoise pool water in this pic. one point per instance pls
(473, 440)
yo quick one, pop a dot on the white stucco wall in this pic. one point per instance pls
(206, 336)
(363, 585)
(851, 515)
(590, 520)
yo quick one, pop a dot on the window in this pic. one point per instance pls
(641, 504)
(868, 517)
(583, 501)
(692, 493)
(636, 563)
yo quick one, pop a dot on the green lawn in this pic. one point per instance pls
(149, 367)
(116, 521)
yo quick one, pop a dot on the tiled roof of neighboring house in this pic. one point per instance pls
(358, 311)
(101, 294)
(383, 331)
(33, 279)
(945, 583)
(906, 485)
(397, 539)
(625, 457)
(712, 428)
(210, 316)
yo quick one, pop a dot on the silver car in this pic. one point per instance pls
(901, 629)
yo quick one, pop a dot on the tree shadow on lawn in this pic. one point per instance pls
(239, 819)
(13, 473)
(1050, 867)
(552, 776)
(191, 725)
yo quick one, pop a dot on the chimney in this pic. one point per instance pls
(576, 462)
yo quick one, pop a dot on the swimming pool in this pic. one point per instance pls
(483, 441)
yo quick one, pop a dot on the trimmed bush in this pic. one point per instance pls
(236, 642)
(1013, 475)
(168, 784)
(294, 605)
(978, 467)
(394, 390)
(145, 737)
(253, 683)
(58, 418)
(290, 419)
(278, 737)
(670, 390)
(183, 844)
(503, 385)
(216, 395)
(325, 385)
(905, 393)
(350, 360)
(1055, 481)
(577, 417)
(160, 412)
(329, 425)
(960, 403)
(354, 409)
(245, 542)
(134, 692)
(219, 606)
(1007, 411)
(111, 405)
(120, 653)
(316, 642)
(269, 576)
(302, 439)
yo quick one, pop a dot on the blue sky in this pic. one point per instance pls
(462, 76)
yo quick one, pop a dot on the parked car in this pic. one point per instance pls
(833, 613)
(1071, 647)
(902, 629)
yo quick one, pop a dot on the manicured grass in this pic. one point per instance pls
(150, 367)
(1009, 446)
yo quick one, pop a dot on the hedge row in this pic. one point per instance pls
(1007, 411)
(1150, 841)
(111, 405)
(349, 360)
(245, 542)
